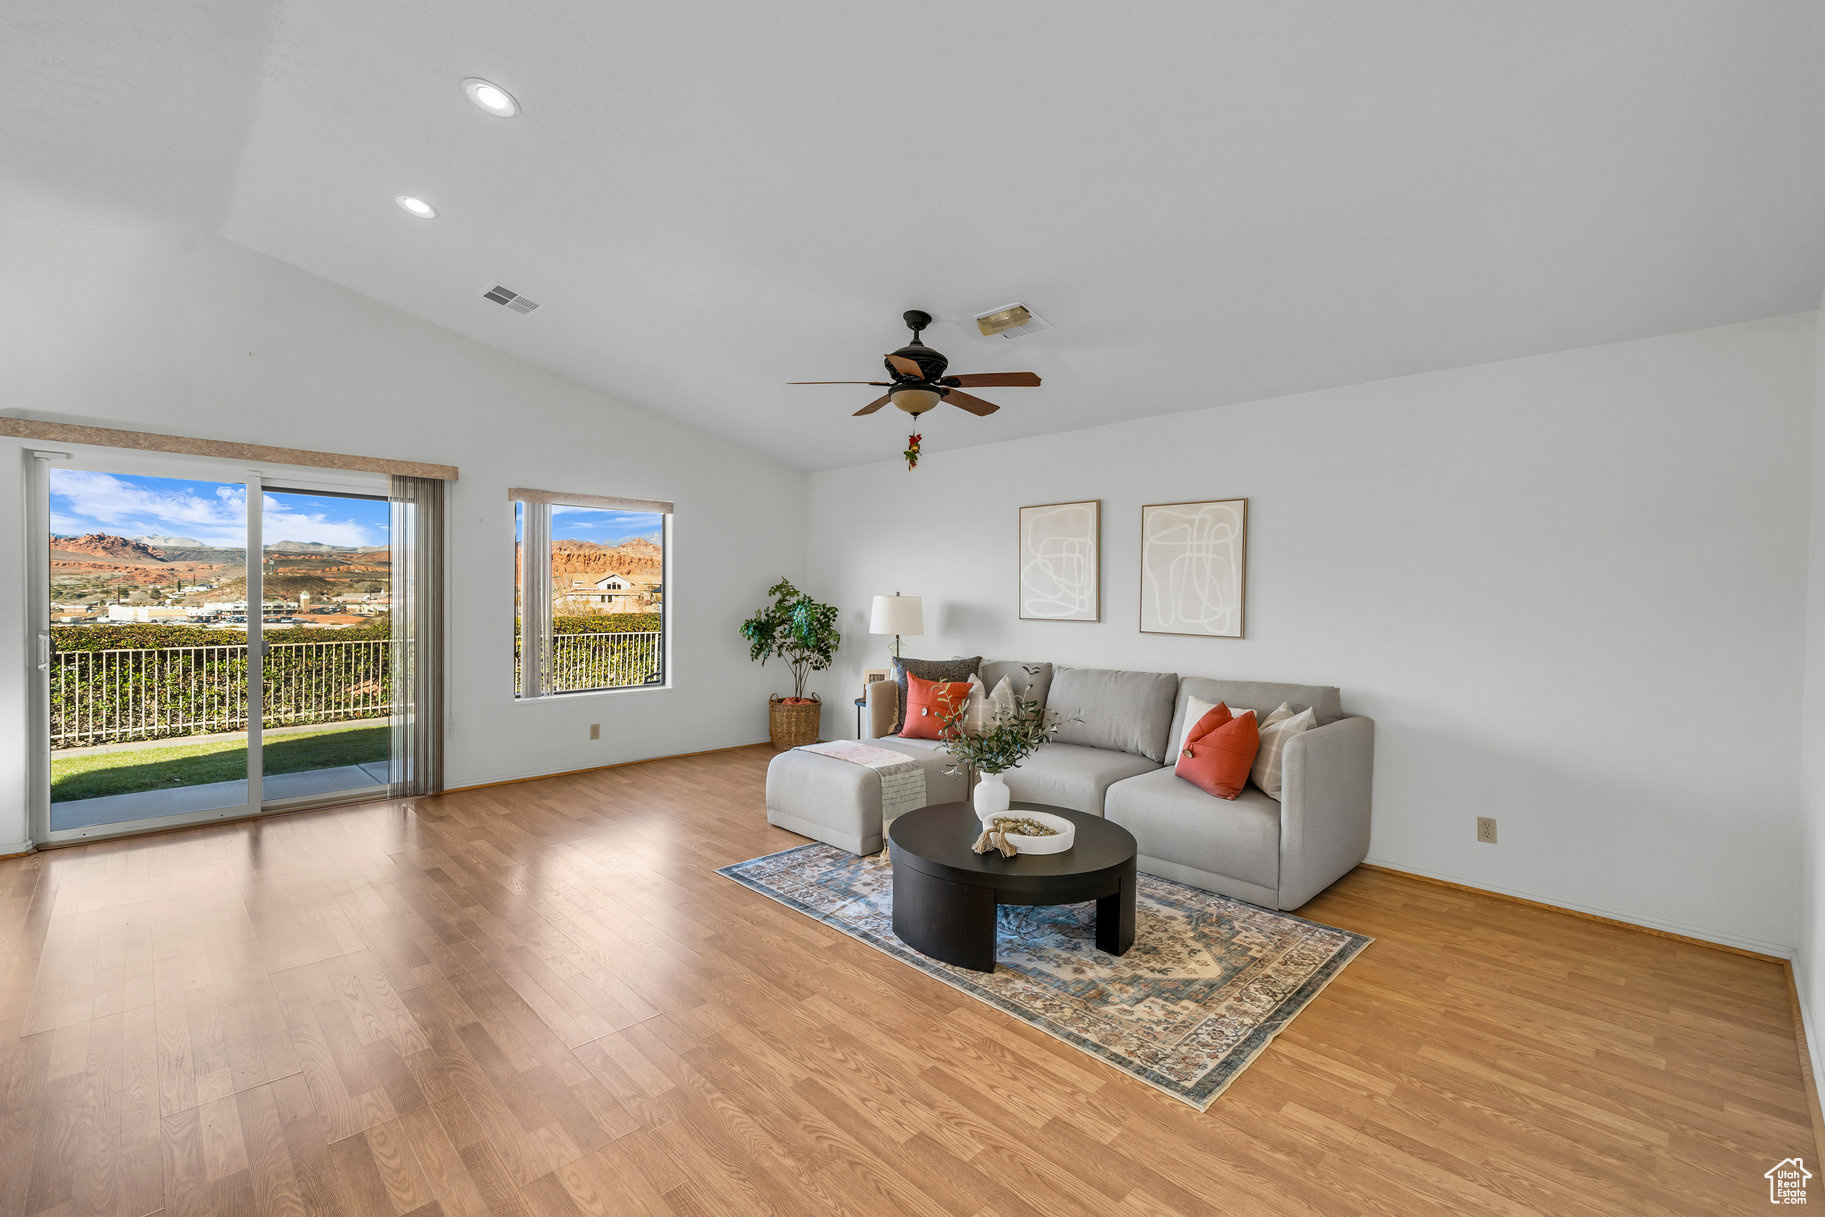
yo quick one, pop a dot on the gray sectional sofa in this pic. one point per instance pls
(1116, 760)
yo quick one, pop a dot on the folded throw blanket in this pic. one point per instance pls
(902, 778)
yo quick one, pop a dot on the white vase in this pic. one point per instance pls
(991, 795)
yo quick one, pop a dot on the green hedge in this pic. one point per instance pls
(135, 636)
(607, 623)
(154, 694)
(160, 693)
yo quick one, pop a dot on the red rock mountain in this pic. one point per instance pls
(100, 547)
(638, 559)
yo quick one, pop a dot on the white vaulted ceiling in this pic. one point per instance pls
(1213, 202)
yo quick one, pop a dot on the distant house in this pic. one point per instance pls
(143, 613)
(609, 594)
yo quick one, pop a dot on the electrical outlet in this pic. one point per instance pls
(1485, 829)
(595, 732)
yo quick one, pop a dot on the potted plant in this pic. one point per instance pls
(802, 632)
(1008, 739)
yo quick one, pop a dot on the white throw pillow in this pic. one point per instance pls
(1281, 726)
(984, 706)
(972, 707)
(1195, 709)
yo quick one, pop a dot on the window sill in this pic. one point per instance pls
(552, 698)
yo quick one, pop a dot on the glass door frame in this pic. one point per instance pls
(360, 485)
(254, 481)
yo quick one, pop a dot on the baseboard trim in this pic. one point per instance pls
(1808, 1077)
(569, 773)
(1601, 918)
(18, 849)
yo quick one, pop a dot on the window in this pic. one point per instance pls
(589, 592)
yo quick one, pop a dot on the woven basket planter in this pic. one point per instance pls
(791, 726)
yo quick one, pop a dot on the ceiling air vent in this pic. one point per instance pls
(1011, 321)
(510, 298)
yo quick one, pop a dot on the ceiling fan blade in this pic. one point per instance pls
(879, 384)
(874, 405)
(990, 380)
(975, 405)
(906, 367)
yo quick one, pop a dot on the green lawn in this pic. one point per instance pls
(89, 775)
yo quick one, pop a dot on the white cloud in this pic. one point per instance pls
(85, 501)
(282, 525)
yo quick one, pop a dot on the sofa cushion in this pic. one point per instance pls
(928, 669)
(1258, 695)
(1174, 821)
(1068, 775)
(1028, 686)
(1121, 711)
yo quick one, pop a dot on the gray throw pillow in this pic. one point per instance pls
(928, 669)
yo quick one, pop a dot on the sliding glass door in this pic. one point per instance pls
(179, 681)
(326, 581)
(149, 706)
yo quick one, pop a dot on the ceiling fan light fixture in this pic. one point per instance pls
(1008, 317)
(491, 97)
(916, 399)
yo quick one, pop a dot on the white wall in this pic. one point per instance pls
(1568, 588)
(1809, 959)
(199, 336)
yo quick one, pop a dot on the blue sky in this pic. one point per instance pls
(214, 513)
(604, 527)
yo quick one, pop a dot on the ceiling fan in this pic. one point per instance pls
(919, 382)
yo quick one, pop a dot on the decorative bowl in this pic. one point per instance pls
(1058, 844)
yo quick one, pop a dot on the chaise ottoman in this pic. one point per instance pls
(839, 802)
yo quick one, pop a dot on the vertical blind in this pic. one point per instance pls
(417, 753)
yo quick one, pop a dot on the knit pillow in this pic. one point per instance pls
(928, 669)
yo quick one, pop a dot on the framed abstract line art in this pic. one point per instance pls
(1061, 574)
(1194, 568)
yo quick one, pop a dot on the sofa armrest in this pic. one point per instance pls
(883, 698)
(1324, 815)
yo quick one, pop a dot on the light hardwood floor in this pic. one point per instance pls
(537, 998)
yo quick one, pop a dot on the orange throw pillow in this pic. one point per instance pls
(1219, 751)
(929, 703)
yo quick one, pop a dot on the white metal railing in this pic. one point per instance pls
(106, 697)
(604, 661)
(315, 682)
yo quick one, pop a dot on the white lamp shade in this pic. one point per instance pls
(896, 615)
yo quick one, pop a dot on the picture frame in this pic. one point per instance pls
(871, 675)
(1061, 561)
(1194, 568)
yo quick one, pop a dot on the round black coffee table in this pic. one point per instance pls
(944, 896)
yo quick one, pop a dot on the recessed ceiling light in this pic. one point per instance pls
(491, 97)
(416, 207)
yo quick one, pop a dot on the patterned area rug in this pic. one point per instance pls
(1208, 982)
